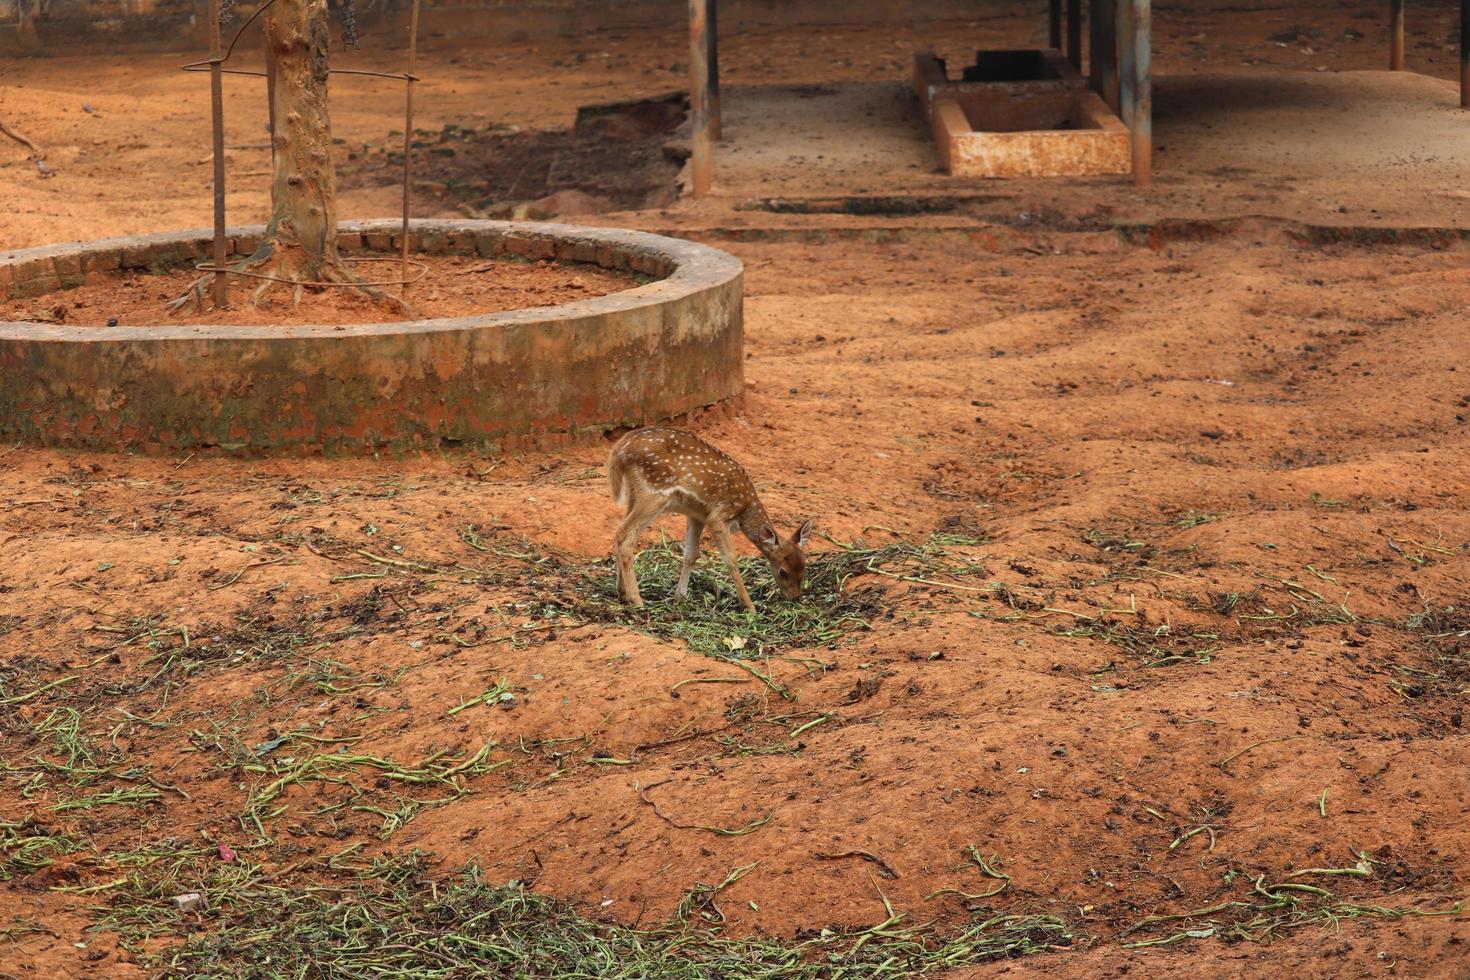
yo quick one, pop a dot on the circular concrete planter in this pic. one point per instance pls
(530, 377)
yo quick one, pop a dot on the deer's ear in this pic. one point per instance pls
(766, 537)
(804, 532)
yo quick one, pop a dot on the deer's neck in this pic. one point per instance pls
(752, 521)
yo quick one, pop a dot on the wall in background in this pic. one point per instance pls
(77, 26)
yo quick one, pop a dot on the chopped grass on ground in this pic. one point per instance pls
(1269, 912)
(390, 920)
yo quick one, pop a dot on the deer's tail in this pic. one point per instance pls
(617, 480)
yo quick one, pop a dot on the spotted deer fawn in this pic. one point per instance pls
(653, 472)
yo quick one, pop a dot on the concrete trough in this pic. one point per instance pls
(1019, 114)
(523, 378)
(1053, 134)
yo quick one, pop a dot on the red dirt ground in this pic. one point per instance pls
(1222, 490)
(449, 287)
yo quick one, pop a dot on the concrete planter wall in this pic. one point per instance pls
(531, 377)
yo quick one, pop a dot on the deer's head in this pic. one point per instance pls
(787, 558)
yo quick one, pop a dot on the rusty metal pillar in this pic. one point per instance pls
(1074, 33)
(1125, 62)
(409, 79)
(1108, 30)
(716, 128)
(1396, 36)
(217, 112)
(1054, 24)
(1094, 46)
(1465, 54)
(1140, 39)
(699, 93)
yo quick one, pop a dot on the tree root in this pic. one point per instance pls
(273, 271)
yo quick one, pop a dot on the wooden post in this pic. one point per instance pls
(699, 93)
(1054, 24)
(217, 112)
(1074, 33)
(413, 58)
(1141, 89)
(712, 36)
(1396, 36)
(1465, 54)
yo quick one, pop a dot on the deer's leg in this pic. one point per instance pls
(640, 515)
(691, 555)
(727, 548)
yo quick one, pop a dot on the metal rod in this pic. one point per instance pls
(270, 95)
(716, 123)
(1074, 33)
(1396, 35)
(699, 94)
(1054, 24)
(413, 55)
(217, 112)
(1465, 54)
(1143, 93)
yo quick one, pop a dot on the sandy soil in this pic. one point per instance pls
(1219, 484)
(1280, 424)
(442, 287)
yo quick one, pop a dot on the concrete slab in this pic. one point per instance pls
(1387, 126)
(1378, 143)
(793, 139)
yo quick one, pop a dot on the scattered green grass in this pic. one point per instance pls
(439, 771)
(1270, 911)
(26, 848)
(710, 619)
(136, 796)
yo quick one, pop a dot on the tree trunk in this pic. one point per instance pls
(300, 245)
(303, 224)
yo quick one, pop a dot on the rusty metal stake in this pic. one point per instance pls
(1396, 36)
(1143, 93)
(1465, 54)
(712, 39)
(1074, 33)
(699, 94)
(1125, 62)
(270, 95)
(413, 54)
(217, 111)
(1054, 24)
